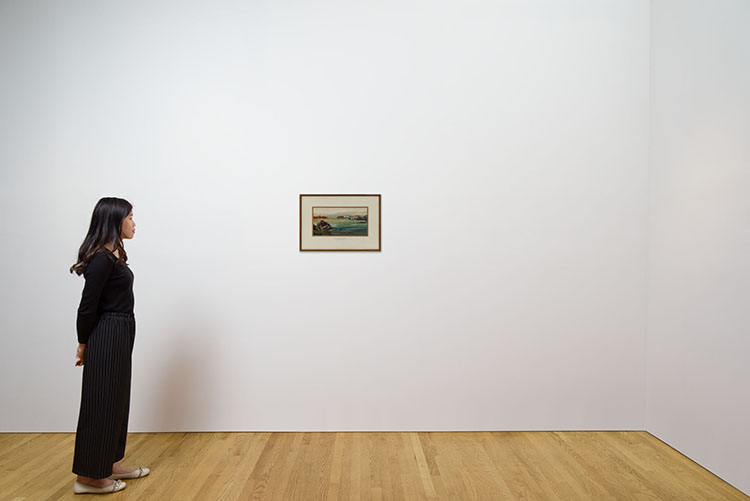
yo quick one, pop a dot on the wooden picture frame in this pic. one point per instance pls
(339, 222)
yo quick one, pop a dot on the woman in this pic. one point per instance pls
(106, 332)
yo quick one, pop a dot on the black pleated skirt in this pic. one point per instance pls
(105, 396)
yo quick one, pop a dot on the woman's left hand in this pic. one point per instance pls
(80, 354)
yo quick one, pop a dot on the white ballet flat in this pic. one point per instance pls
(140, 472)
(80, 488)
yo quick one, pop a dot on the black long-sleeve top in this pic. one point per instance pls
(109, 287)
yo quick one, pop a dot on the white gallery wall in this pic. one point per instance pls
(699, 260)
(509, 141)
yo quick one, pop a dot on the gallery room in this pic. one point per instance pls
(480, 249)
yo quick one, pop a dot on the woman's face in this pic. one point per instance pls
(128, 227)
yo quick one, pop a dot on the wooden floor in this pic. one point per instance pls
(476, 465)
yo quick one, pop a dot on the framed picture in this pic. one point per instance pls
(339, 222)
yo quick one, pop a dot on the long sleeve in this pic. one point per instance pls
(96, 273)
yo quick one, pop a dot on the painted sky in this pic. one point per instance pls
(339, 211)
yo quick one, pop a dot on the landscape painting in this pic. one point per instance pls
(339, 221)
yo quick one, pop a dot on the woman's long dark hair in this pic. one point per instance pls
(105, 228)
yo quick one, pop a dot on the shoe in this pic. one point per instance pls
(140, 472)
(80, 488)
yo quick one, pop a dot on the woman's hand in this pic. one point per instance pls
(80, 354)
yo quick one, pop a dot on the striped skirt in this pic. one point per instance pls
(105, 396)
